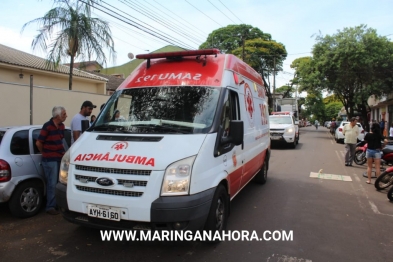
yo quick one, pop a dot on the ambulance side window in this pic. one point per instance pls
(230, 111)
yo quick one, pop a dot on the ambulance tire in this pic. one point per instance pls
(219, 211)
(261, 176)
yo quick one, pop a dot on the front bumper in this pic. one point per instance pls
(189, 211)
(281, 138)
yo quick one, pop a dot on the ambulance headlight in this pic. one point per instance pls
(64, 165)
(289, 130)
(177, 178)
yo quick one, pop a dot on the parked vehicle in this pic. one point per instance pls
(360, 153)
(339, 137)
(196, 131)
(284, 129)
(386, 178)
(22, 182)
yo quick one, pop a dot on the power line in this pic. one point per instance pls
(230, 11)
(119, 26)
(137, 25)
(178, 22)
(204, 14)
(221, 11)
(181, 18)
(150, 14)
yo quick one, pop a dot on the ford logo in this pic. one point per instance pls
(104, 181)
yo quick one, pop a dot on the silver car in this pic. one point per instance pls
(22, 181)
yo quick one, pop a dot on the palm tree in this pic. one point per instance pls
(69, 30)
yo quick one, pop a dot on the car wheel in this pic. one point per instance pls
(293, 144)
(27, 199)
(219, 211)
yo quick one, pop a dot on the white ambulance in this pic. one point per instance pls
(193, 130)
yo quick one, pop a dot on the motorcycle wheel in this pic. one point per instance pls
(384, 180)
(390, 194)
(360, 157)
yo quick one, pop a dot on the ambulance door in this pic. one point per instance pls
(231, 155)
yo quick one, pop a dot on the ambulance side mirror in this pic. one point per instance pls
(236, 132)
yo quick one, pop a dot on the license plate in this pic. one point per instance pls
(275, 137)
(109, 213)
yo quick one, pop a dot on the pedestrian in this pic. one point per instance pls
(351, 133)
(316, 123)
(50, 144)
(373, 153)
(76, 122)
(382, 124)
(391, 132)
(92, 119)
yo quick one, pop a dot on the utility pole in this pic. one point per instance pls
(274, 85)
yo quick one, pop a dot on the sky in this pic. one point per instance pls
(292, 23)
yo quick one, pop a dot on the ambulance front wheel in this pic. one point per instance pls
(219, 210)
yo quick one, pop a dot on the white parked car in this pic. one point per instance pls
(22, 182)
(339, 137)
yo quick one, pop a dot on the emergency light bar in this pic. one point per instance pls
(213, 51)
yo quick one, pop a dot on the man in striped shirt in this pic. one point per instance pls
(50, 144)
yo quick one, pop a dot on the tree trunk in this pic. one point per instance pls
(71, 73)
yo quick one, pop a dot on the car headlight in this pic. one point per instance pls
(289, 130)
(177, 178)
(64, 166)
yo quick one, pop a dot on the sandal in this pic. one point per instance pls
(368, 182)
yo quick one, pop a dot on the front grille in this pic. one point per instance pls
(134, 182)
(88, 178)
(114, 170)
(119, 181)
(109, 191)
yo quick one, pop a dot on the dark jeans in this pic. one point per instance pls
(51, 170)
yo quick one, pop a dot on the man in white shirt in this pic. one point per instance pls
(76, 123)
(351, 133)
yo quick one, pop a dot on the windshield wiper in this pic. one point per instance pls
(151, 126)
(106, 127)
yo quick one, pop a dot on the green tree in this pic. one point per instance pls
(315, 106)
(231, 37)
(286, 91)
(255, 47)
(68, 30)
(332, 109)
(354, 64)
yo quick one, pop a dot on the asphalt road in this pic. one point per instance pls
(330, 220)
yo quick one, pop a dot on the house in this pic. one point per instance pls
(87, 66)
(30, 86)
(382, 108)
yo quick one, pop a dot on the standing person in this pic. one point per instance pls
(92, 119)
(351, 133)
(50, 144)
(76, 124)
(316, 123)
(373, 153)
(382, 124)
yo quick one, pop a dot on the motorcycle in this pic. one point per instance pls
(390, 192)
(360, 153)
(386, 178)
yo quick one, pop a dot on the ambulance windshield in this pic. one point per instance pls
(159, 110)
